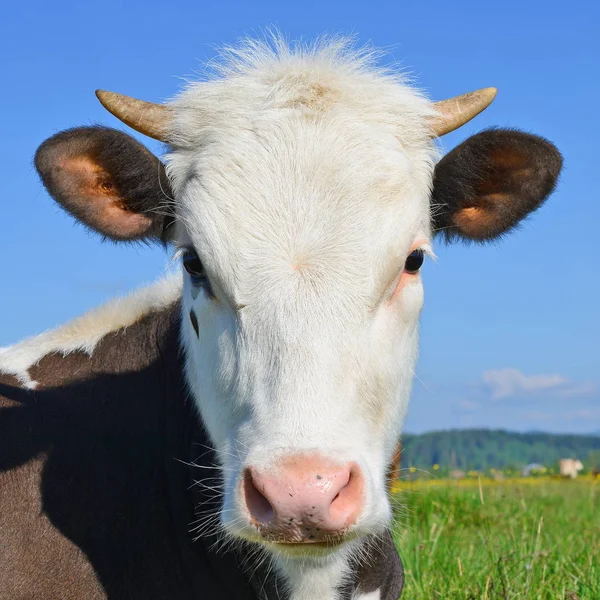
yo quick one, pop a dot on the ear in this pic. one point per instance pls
(487, 185)
(108, 181)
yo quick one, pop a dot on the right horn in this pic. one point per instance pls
(145, 117)
(455, 112)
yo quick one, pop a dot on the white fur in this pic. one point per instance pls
(375, 595)
(302, 178)
(84, 333)
(309, 579)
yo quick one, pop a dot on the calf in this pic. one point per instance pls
(253, 403)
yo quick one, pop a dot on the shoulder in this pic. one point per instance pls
(64, 352)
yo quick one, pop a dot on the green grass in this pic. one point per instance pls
(500, 541)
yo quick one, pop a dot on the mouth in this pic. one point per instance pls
(307, 549)
(329, 544)
(292, 543)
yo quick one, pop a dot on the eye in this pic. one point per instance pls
(193, 265)
(414, 261)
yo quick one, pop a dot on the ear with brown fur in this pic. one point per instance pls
(489, 183)
(108, 181)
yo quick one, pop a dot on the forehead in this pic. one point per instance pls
(302, 158)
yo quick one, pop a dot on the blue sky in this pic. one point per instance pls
(510, 332)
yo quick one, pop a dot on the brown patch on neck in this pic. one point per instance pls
(379, 569)
(9, 382)
(127, 349)
(55, 370)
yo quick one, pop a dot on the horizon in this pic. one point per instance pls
(509, 431)
(509, 332)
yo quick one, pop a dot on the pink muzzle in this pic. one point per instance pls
(304, 499)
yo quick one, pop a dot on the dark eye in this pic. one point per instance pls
(414, 261)
(193, 265)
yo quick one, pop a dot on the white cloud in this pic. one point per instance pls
(508, 383)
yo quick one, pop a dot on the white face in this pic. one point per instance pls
(306, 347)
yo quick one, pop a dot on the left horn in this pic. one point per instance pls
(147, 118)
(455, 112)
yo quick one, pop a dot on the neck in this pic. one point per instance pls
(370, 570)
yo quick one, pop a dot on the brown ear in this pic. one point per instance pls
(487, 185)
(108, 181)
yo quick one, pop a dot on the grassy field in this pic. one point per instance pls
(526, 539)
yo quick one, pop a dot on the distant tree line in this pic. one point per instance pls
(484, 449)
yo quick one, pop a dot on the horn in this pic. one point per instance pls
(153, 119)
(147, 118)
(455, 112)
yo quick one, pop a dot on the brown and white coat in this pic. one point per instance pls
(301, 190)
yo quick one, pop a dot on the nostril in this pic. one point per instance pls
(260, 509)
(346, 505)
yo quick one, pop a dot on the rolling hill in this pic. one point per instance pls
(484, 449)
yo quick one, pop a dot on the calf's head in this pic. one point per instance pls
(303, 196)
